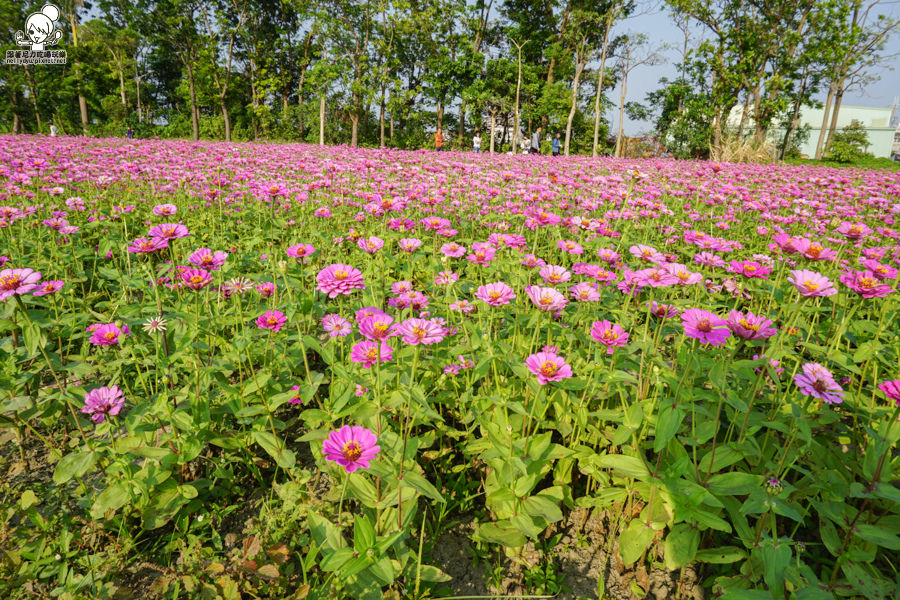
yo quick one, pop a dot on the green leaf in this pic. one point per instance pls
(337, 559)
(33, 335)
(255, 384)
(74, 465)
(734, 483)
(363, 534)
(630, 466)
(112, 498)
(501, 532)
(667, 423)
(879, 536)
(284, 458)
(422, 485)
(681, 545)
(433, 574)
(722, 555)
(28, 499)
(634, 540)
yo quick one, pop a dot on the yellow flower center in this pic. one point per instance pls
(341, 275)
(549, 369)
(809, 285)
(352, 451)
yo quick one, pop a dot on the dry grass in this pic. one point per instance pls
(748, 149)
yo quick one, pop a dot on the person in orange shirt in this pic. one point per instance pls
(439, 140)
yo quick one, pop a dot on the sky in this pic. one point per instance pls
(659, 27)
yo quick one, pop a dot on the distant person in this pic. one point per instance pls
(536, 141)
(556, 145)
(439, 140)
(476, 143)
(54, 130)
(130, 133)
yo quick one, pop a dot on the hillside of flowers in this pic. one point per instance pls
(285, 371)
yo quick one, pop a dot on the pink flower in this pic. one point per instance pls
(17, 281)
(810, 283)
(48, 287)
(818, 382)
(370, 245)
(165, 210)
(409, 244)
(775, 364)
(271, 319)
(891, 390)
(570, 246)
(682, 275)
(453, 250)
(482, 256)
(368, 311)
(205, 258)
(196, 279)
(647, 253)
(266, 289)
(300, 251)
(533, 261)
(401, 287)
(377, 327)
(495, 294)
(296, 399)
(609, 334)
(336, 325)
(106, 334)
(169, 231)
(705, 326)
(144, 245)
(339, 279)
(750, 326)
(446, 278)
(664, 311)
(749, 268)
(865, 283)
(554, 274)
(548, 366)
(463, 306)
(420, 331)
(708, 259)
(351, 447)
(103, 402)
(585, 292)
(368, 353)
(545, 298)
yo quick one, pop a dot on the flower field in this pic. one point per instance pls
(285, 371)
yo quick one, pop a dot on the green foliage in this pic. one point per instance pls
(849, 144)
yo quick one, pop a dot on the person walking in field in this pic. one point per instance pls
(536, 141)
(439, 140)
(476, 143)
(556, 145)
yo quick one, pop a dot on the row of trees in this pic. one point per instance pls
(388, 72)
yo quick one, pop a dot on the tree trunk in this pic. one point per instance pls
(744, 114)
(578, 69)
(493, 125)
(789, 129)
(34, 98)
(462, 122)
(122, 87)
(16, 122)
(254, 101)
(226, 119)
(195, 121)
(440, 115)
(381, 118)
(820, 144)
(620, 135)
(838, 96)
(322, 119)
(599, 89)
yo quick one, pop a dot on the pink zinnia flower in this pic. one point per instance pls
(647, 253)
(271, 319)
(300, 251)
(165, 210)
(106, 334)
(865, 283)
(531, 260)
(548, 366)
(453, 250)
(351, 447)
(339, 279)
(880, 271)
(266, 289)
(545, 298)
(810, 283)
(377, 327)
(664, 311)
(48, 287)
(495, 294)
(554, 274)
(891, 389)
(609, 334)
(655, 277)
(409, 244)
(463, 306)
(818, 382)
(446, 278)
(401, 287)
(144, 245)
(775, 364)
(854, 231)
(17, 281)
(196, 279)
(708, 259)
(420, 331)
(368, 311)
(103, 402)
(370, 245)
(705, 326)
(682, 275)
(368, 353)
(585, 292)
(482, 255)
(205, 258)
(750, 326)
(570, 247)
(336, 325)
(749, 268)
(169, 231)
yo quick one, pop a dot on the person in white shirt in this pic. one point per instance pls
(54, 130)
(476, 143)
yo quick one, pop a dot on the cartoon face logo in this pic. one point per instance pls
(40, 29)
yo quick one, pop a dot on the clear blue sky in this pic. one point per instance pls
(659, 27)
